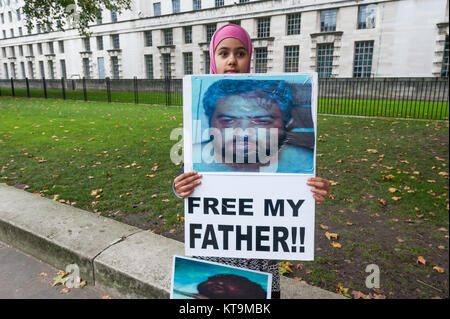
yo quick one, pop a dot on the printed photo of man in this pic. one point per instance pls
(251, 128)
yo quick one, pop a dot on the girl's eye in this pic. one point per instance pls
(223, 53)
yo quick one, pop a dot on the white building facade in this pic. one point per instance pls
(336, 38)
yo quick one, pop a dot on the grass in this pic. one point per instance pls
(388, 203)
(384, 108)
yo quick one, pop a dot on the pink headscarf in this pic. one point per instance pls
(229, 31)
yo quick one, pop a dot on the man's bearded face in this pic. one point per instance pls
(246, 115)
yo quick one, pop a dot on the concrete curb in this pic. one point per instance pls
(125, 261)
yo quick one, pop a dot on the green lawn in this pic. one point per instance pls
(388, 203)
(382, 108)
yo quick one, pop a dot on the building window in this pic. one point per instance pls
(30, 69)
(12, 32)
(99, 17)
(291, 58)
(4, 34)
(13, 52)
(87, 68)
(210, 29)
(196, 4)
(236, 22)
(168, 37)
(115, 67)
(148, 41)
(113, 15)
(18, 15)
(51, 49)
(61, 46)
(219, 3)
(63, 68)
(4, 52)
(13, 70)
(2, 17)
(187, 57)
(166, 65)
(20, 31)
(367, 16)
(243, 1)
(328, 20)
(362, 65)
(99, 40)
(444, 70)
(20, 50)
(187, 34)
(22, 69)
(40, 48)
(5, 66)
(207, 61)
(30, 50)
(325, 59)
(87, 44)
(115, 41)
(149, 66)
(41, 69)
(263, 30)
(157, 9)
(10, 16)
(261, 60)
(293, 23)
(50, 68)
(175, 6)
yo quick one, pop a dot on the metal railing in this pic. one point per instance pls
(425, 98)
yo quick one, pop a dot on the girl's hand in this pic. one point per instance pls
(186, 183)
(321, 188)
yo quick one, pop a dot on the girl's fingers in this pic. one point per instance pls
(319, 183)
(188, 187)
(319, 192)
(186, 180)
(183, 176)
(318, 199)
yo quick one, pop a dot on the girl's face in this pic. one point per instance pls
(231, 56)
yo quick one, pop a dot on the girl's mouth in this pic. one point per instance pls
(231, 71)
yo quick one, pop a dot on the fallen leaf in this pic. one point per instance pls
(324, 227)
(396, 198)
(393, 190)
(64, 290)
(375, 296)
(359, 295)
(382, 201)
(421, 260)
(443, 173)
(336, 245)
(82, 284)
(372, 151)
(439, 269)
(59, 280)
(106, 297)
(330, 236)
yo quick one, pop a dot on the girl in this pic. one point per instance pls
(230, 52)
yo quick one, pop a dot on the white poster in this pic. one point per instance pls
(252, 138)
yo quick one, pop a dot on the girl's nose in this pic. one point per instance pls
(232, 59)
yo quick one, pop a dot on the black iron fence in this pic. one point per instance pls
(426, 98)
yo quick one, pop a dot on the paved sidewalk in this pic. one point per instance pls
(118, 259)
(23, 276)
